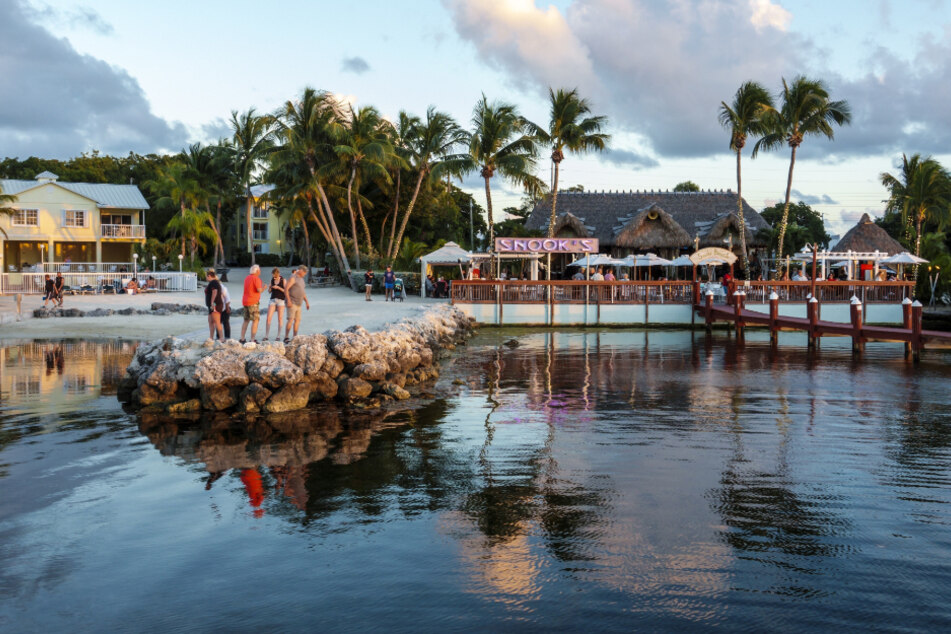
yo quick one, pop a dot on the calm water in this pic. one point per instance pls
(579, 480)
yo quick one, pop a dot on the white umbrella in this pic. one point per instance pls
(902, 259)
(681, 260)
(647, 259)
(597, 260)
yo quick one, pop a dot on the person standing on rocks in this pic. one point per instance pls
(249, 302)
(368, 283)
(226, 313)
(215, 303)
(296, 296)
(58, 287)
(277, 287)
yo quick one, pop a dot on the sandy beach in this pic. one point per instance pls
(333, 307)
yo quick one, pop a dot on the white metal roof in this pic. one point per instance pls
(259, 190)
(105, 195)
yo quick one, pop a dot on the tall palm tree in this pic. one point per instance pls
(196, 226)
(569, 129)
(745, 116)
(364, 150)
(306, 130)
(5, 208)
(210, 166)
(499, 142)
(921, 193)
(400, 134)
(806, 110)
(253, 140)
(431, 144)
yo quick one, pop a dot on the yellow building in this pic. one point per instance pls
(70, 223)
(266, 228)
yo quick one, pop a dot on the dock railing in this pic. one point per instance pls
(667, 292)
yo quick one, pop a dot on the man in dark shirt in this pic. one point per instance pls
(389, 283)
(58, 287)
(49, 291)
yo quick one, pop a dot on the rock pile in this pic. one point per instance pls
(360, 368)
(158, 308)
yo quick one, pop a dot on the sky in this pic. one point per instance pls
(119, 76)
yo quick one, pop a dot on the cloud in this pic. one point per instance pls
(59, 103)
(629, 158)
(79, 17)
(660, 68)
(824, 199)
(356, 65)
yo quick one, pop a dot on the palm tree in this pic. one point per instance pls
(921, 193)
(569, 129)
(400, 134)
(306, 129)
(177, 187)
(499, 143)
(253, 140)
(430, 144)
(744, 117)
(6, 210)
(806, 110)
(210, 166)
(364, 150)
(196, 226)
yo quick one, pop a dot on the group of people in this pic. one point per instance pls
(53, 290)
(389, 284)
(438, 288)
(284, 295)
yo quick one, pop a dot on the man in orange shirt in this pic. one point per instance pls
(253, 286)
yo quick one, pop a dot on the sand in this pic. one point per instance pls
(330, 308)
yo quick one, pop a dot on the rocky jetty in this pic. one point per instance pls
(158, 308)
(355, 366)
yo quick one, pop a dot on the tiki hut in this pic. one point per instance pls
(666, 223)
(867, 237)
(651, 228)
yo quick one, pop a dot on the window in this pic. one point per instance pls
(259, 210)
(116, 219)
(74, 218)
(25, 218)
(259, 230)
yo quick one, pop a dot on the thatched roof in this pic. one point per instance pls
(651, 228)
(868, 236)
(606, 214)
(572, 224)
(728, 223)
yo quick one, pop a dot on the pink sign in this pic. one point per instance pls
(546, 245)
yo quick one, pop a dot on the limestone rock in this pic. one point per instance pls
(288, 398)
(395, 391)
(353, 345)
(353, 388)
(225, 366)
(253, 397)
(323, 386)
(185, 407)
(308, 352)
(218, 397)
(374, 371)
(272, 370)
(146, 394)
(333, 366)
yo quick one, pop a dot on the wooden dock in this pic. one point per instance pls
(911, 333)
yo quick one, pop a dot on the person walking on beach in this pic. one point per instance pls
(296, 296)
(249, 302)
(389, 283)
(276, 303)
(49, 291)
(58, 287)
(368, 283)
(215, 303)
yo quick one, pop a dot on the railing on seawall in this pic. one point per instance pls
(666, 292)
(569, 292)
(99, 282)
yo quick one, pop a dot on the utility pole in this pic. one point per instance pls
(471, 231)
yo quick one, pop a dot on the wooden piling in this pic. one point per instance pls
(856, 314)
(708, 311)
(916, 343)
(773, 317)
(812, 311)
(906, 322)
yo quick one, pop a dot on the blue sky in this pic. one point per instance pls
(120, 76)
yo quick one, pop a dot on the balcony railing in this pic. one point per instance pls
(123, 231)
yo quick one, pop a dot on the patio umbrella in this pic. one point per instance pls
(647, 259)
(597, 260)
(681, 260)
(902, 259)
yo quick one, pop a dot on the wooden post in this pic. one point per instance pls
(906, 322)
(916, 313)
(737, 308)
(708, 312)
(812, 310)
(696, 288)
(856, 309)
(773, 316)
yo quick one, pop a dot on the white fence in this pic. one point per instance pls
(99, 282)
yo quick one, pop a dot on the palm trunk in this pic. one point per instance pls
(363, 220)
(488, 206)
(920, 218)
(218, 242)
(739, 206)
(785, 218)
(409, 210)
(353, 217)
(332, 224)
(248, 217)
(306, 246)
(218, 225)
(551, 220)
(386, 219)
(396, 215)
(182, 202)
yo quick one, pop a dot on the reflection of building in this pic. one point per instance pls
(63, 375)
(80, 223)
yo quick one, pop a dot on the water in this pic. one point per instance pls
(595, 480)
